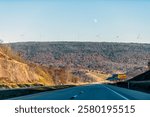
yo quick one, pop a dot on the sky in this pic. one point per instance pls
(75, 20)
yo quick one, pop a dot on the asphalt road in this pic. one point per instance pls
(89, 92)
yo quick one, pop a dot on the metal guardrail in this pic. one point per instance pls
(132, 82)
(140, 81)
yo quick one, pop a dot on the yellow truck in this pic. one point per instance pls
(122, 76)
(116, 77)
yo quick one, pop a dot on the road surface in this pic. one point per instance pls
(89, 92)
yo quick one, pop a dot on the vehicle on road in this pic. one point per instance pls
(117, 77)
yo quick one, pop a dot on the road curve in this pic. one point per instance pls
(88, 92)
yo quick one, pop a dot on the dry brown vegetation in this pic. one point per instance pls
(106, 57)
(16, 72)
(98, 76)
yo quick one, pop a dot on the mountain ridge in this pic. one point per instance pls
(108, 57)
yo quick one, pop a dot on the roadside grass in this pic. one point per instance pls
(99, 77)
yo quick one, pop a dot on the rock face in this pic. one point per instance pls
(16, 72)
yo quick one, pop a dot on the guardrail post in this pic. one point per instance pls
(128, 85)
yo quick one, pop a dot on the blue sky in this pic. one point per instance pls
(75, 20)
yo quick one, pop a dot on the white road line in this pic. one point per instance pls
(81, 92)
(74, 96)
(116, 93)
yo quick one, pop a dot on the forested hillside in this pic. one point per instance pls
(106, 57)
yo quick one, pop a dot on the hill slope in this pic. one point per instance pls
(106, 57)
(16, 72)
(142, 77)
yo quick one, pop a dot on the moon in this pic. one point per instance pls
(95, 20)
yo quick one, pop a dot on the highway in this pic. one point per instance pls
(88, 92)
